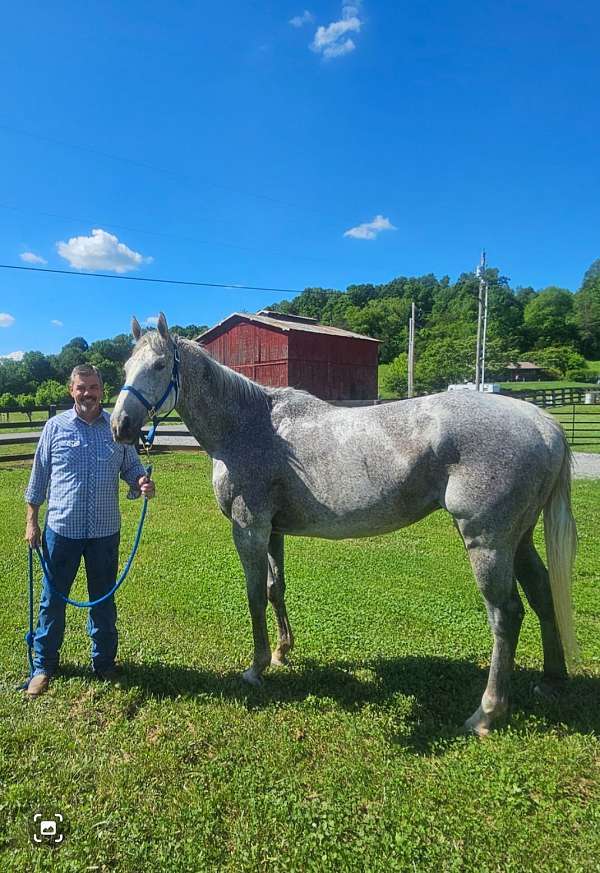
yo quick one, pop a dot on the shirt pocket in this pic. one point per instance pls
(110, 454)
(67, 451)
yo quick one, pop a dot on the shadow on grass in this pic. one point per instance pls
(428, 698)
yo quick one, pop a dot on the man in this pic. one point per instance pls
(77, 466)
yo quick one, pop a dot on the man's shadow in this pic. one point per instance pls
(428, 697)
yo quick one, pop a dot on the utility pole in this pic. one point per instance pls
(411, 352)
(482, 306)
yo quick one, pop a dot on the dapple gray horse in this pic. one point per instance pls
(285, 462)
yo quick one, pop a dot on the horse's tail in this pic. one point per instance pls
(560, 533)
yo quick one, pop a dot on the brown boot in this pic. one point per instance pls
(37, 685)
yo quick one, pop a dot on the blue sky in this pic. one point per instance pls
(228, 143)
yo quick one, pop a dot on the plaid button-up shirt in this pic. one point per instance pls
(77, 467)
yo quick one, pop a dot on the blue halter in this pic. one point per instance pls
(153, 409)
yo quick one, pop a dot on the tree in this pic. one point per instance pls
(549, 319)
(592, 274)
(557, 358)
(190, 331)
(384, 319)
(13, 378)
(69, 357)
(78, 342)
(587, 315)
(111, 372)
(7, 401)
(37, 368)
(51, 392)
(117, 349)
(27, 403)
(395, 377)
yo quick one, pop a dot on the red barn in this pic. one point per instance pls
(280, 350)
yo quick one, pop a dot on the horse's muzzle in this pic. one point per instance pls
(123, 429)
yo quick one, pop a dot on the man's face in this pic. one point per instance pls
(86, 391)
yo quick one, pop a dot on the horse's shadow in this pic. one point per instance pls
(427, 697)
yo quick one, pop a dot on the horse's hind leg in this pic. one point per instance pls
(276, 595)
(533, 576)
(493, 569)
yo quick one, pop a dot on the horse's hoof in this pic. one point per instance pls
(473, 729)
(279, 662)
(480, 724)
(252, 677)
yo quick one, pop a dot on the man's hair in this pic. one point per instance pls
(85, 370)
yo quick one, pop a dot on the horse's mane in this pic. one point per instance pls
(226, 382)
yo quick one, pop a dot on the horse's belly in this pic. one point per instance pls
(351, 519)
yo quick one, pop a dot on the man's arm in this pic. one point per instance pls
(33, 534)
(37, 488)
(133, 472)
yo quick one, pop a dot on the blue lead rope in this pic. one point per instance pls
(29, 636)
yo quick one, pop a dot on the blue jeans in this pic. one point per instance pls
(63, 556)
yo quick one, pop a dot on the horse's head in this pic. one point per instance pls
(151, 382)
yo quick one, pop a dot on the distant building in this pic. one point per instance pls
(524, 371)
(278, 350)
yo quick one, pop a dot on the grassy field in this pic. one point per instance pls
(510, 386)
(349, 760)
(584, 432)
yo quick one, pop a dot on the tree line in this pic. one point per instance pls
(40, 380)
(551, 327)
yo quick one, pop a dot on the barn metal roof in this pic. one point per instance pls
(283, 322)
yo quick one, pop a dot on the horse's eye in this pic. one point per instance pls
(159, 365)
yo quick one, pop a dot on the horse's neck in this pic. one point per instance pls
(211, 402)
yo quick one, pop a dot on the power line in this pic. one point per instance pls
(233, 287)
(180, 237)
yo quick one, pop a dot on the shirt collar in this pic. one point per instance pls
(103, 418)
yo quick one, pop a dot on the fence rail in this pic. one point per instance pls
(581, 426)
(546, 397)
(25, 439)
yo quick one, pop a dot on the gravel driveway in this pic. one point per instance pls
(586, 466)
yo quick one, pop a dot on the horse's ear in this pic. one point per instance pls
(136, 330)
(162, 326)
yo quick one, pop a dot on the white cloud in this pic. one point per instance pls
(56, 322)
(100, 251)
(305, 18)
(151, 321)
(6, 320)
(370, 229)
(12, 356)
(332, 41)
(32, 258)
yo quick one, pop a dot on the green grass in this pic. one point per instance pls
(19, 449)
(349, 760)
(585, 436)
(509, 386)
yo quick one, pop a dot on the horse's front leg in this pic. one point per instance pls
(251, 544)
(276, 595)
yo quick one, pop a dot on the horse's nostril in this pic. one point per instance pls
(125, 422)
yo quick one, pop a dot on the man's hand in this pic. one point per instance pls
(146, 486)
(33, 534)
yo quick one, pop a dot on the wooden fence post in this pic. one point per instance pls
(52, 410)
